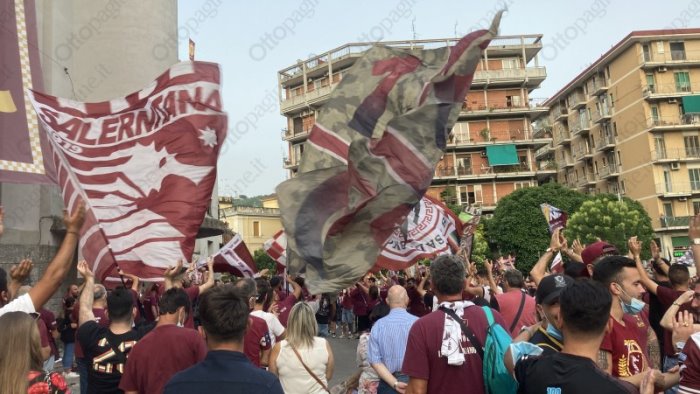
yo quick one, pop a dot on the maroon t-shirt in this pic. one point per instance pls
(422, 360)
(284, 307)
(257, 338)
(193, 293)
(668, 296)
(43, 333)
(50, 320)
(360, 301)
(415, 302)
(163, 352)
(100, 318)
(347, 301)
(690, 370)
(629, 358)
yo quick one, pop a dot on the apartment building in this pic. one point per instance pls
(255, 224)
(492, 149)
(628, 125)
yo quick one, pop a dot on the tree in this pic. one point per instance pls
(611, 220)
(262, 261)
(480, 248)
(518, 225)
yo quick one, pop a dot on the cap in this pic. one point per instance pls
(550, 287)
(597, 249)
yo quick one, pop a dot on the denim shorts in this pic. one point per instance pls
(348, 316)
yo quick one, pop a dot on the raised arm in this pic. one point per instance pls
(59, 266)
(668, 318)
(87, 297)
(635, 249)
(296, 289)
(489, 276)
(18, 274)
(170, 273)
(539, 270)
(210, 276)
(694, 234)
(134, 280)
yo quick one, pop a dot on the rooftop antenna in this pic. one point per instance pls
(413, 28)
(456, 22)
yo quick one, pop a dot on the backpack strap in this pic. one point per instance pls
(520, 312)
(489, 315)
(466, 331)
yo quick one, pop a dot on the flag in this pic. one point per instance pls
(430, 229)
(24, 149)
(371, 156)
(276, 248)
(687, 258)
(191, 49)
(145, 165)
(235, 258)
(555, 217)
(557, 265)
(470, 220)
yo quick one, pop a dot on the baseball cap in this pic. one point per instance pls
(550, 287)
(597, 249)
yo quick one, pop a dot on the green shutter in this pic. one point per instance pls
(502, 155)
(691, 104)
(680, 241)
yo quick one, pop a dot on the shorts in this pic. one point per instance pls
(348, 316)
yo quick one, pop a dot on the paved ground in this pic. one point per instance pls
(344, 351)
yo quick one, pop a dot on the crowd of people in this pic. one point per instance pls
(609, 323)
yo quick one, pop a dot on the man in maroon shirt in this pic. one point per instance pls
(285, 306)
(361, 304)
(99, 306)
(432, 362)
(256, 342)
(165, 351)
(175, 277)
(514, 303)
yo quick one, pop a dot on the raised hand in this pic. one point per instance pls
(655, 251)
(682, 327)
(74, 221)
(635, 246)
(21, 271)
(555, 242)
(577, 247)
(173, 271)
(84, 270)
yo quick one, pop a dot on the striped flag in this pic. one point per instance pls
(557, 265)
(371, 156)
(145, 165)
(276, 248)
(235, 258)
(555, 217)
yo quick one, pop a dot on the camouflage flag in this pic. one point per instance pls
(470, 219)
(371, 156)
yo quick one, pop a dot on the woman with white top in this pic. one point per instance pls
(303, 362)
(262, 301)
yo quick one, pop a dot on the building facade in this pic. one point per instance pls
(629, 125)
(493, 146)
(254, 224)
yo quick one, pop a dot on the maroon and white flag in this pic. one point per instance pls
(276, 248)
(235, 258)
(145, 165)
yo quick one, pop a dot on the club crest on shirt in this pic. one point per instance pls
(633, 362)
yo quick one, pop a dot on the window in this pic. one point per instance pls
(682, 81)
(510, 63)
(694, 174)
(513, 101)
(660, 47)
(521, 185)
(655, 114)
(651, 83)
(677, 51)
(668, 209)
(660, 145)
(256, 229)
(696, 207)
(464, 165)
(647, 52)
(667, 180)
(692, 146)
(622, 187)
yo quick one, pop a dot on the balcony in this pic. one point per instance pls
(611, 170)
(674, 222)
(501, 109)
(604, 114)
(289, 164)
(484, 172)
(663, 123)
(669, 90)
(563, 137)
(311, 98)
(675, 154)
(567, 162)
(577, 100)
(580, 126)
(533, 76)
(544, 151)
(599, 87)
(677, 189)
(560, 113)
(582, 152)
(676, 58)
(542, 129)
(294, 135)
(463, 139)
(605, 143)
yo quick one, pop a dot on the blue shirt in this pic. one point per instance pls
(387, 341)
(224, 371)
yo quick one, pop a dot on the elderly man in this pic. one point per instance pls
(387, 342)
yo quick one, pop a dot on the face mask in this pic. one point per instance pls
(553, 331)
(634, 307)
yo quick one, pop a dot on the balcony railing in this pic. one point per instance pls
(579, 125)
(543, 151)
(483, 171)
(242, 210)
(674, 221)
(560, 113)
(665, 90)
(670, 58)
(679, 189)
(603, 114)
(563, 136)
(503, 106)
(668, 121)
(609, 170)
(509, 74)
(688, 153)
(474, 137)
(311, 97)
(607, 141)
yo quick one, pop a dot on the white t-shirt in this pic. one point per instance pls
(274, 326)
(22, 303)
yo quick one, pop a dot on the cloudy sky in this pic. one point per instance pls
(253, 40)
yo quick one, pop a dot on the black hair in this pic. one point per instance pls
(373, 292)
(576, 269)
(608, 270)
(265, 293)
(247, 287)
(447, 272)
(120, 304)
(657, 267)
(172, 300)
(482, 272)
(379, 311)
(678, 274)
(514, 278)
(223, 311)
(275, 281)
(402, 281)
(300, 281)
(585, 306)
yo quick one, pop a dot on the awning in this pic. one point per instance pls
(680, 241)
(502, 155)
(691, 104)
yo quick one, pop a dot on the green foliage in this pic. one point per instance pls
(611, 220)
(262, 261)
(518, 225)
(480, 248)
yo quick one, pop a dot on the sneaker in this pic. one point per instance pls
(71, 375)
(341, 336)
(333, 335)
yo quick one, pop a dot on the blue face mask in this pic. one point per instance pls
(553, 331)
(634, 307)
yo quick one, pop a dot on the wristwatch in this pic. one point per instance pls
(396, 384)
(695, 241)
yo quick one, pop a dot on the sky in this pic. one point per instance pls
(253, 40)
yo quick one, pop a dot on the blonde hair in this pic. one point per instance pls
(301, 326)
(20, 351)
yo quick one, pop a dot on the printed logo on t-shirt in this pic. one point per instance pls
(633, 362)
(640, 321)
(553, 390)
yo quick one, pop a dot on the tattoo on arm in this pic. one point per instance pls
(654, 349)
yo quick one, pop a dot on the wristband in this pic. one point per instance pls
(73, 232)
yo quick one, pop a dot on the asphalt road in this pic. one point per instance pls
(344, 354)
